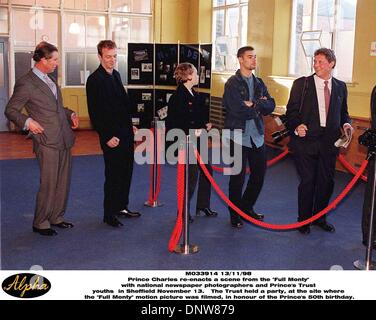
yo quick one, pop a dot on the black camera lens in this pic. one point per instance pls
(280, 135)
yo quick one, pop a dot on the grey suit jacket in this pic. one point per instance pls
(42, 106)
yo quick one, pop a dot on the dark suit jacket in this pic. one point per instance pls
(109, 113)
(302, 107)
(186, 111)
(42, 106)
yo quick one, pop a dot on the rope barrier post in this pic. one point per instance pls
(153, 201)
(186, 248)
(368, 264)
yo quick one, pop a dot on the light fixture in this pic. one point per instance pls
(74, 27)
(102, 21)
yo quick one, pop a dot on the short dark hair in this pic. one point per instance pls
(108, 44)
(328, 53)
(43, 50)
(242, 50)
(183, 71)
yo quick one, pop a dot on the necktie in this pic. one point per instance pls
(327, 97)
(51, 84)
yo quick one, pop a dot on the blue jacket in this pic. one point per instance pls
(236, 92)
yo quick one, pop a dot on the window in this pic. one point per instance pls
(80, 47)
(78, 25)
(230, 22)
(39, 26)
(334, 24)
(3, 20)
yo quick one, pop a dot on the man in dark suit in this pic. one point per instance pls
(50, 124)
(316, 113)
(109, 110)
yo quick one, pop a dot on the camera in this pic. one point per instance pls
(281, 134)
(368, 138)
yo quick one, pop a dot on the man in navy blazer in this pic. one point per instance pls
(316, 114)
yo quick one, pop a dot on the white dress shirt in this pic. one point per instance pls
(320, 84)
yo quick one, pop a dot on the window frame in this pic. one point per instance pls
(225, 8)
(61, 13)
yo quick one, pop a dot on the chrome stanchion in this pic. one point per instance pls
(368, 264)
(185, 247)
(155, 177)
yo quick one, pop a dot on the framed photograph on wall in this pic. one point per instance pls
(161, 101)
(205, 66)
(140, 63)
(142, 106)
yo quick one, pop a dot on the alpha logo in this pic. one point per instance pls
(26, 285)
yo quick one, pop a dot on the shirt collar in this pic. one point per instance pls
(39, 73)
(105, 71)
(322, 81)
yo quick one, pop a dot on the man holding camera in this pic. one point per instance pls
(316, 113)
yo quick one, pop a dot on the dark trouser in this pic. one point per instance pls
(118, 175)
(204, 189)
(256, 160)
(316, 172)
(367, 203)
(55, 174)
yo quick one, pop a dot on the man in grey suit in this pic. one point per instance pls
(51, 127)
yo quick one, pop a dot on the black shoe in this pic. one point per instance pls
(208, 212)
(254, 215)
(305, 229)
(113, 222)
(365, 243)
(325, 226)
(45, 232)
(236, 223)
(63, 225)
(126, 213)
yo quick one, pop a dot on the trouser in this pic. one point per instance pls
(204, 189)
(256, 160)
(55, 174)
(316, 172)
(118, 175)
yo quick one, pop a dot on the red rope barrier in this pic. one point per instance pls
(283, 226)
(269, 163)
(176, 233)
(152, 199)
(349, 167)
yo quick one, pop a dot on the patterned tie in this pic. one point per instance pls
(327, 97)
(51, 84)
